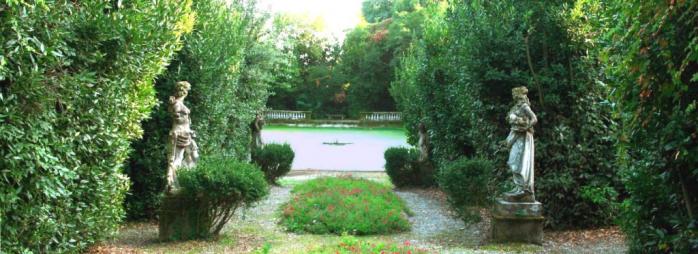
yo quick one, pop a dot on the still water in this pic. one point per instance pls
(334, 148)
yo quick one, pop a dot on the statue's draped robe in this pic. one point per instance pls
(183, 149)
(520, 140)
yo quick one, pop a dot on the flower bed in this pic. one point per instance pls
(339, 205)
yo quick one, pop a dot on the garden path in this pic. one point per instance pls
(434, 227)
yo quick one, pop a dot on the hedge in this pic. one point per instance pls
(76, 79)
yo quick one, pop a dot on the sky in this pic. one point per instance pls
(338, 15)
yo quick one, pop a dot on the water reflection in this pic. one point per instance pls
(328, 148)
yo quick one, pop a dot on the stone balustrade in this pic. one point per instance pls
(287, 115)
(380, 116)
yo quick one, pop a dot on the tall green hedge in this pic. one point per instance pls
(457, 80)
(650, 53)
(75, 82)
(222, 104)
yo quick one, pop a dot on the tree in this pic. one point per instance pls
(371, 52)
(316, 83)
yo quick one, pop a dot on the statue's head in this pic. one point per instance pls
(519, 93)
(182, 89)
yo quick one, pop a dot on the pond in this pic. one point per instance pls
(337, 148)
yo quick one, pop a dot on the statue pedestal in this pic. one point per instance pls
(181, 219)
(517, 222)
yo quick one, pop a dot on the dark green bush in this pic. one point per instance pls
(651, 59)
(214, 190)
(221, 100)
(75, 82)
(340, 205)
(404, 168)
(275, 160)
(469, 184)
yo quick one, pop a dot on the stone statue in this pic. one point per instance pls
(256, 131)
(520, 143)
(183, 151)
(423, 143)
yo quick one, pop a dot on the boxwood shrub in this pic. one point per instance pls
(213, 191)
(468, 183)
(274, 159)
(404, 168)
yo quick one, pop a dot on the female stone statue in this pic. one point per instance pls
(183, 150)
(520, 141)
(256, 131)
(423, 143)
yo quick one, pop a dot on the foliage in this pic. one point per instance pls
(457, 80)
(215, 189)
(61, 188)
(222, 60)
(404, 168)
(371, 52)
(650, 54)
(351, 245)
(313, 82)
(377, 10)
(275, 160)
(345, 204)
(468, 183)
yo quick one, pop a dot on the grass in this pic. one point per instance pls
(352, 245)
(336, 205)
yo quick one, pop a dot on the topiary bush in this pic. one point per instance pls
(339, 205)
(275, 160)
(76, 79)
(469, 184)
(211, 193)
(404, 168)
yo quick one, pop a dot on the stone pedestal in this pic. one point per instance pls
(181, 219)
(517, 222)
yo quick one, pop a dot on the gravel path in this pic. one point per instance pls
(434, 224)
(263, 214)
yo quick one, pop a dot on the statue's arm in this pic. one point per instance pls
(531, 115)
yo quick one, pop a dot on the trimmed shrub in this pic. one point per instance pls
(404, 168)
(75, 81)
(274, 159)
(344, 205)
(468, 183)
(212, 192)
(222, 103)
